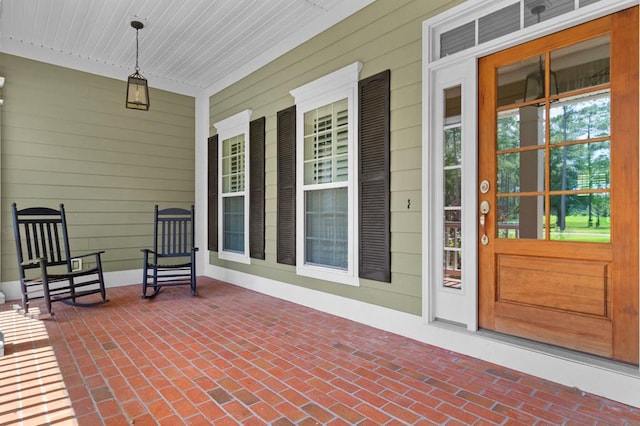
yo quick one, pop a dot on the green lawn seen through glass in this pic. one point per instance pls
(577, 229)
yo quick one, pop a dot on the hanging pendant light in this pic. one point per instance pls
(137, 89)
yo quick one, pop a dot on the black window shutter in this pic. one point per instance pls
(256, 188)
(286, 251)
(373, 180)
(212, 193)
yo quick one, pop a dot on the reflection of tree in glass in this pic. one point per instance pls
(508, 131)
(508, 168)
(584, 166)
(452, 148)
(508, 209)
(453, 172)
(455, 214)
(599, 207)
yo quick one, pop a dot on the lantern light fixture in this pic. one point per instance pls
(137, 88)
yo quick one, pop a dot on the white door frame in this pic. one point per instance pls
(437, 74)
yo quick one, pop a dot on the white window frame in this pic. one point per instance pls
(333, 87)
(230, 127)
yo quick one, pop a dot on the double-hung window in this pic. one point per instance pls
(327, 177)
(233, 204)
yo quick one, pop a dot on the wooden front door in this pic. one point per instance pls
(558, 173)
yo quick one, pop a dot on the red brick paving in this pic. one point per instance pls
(233, 356)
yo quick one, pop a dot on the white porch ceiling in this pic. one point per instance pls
(186, 46)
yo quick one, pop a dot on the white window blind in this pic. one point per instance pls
(327, 144)
(233, 164)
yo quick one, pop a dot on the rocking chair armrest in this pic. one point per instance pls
(37, 260)
(96, 253)
(147, 251)
(89, 254)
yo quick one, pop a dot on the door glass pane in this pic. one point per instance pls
(518, 79)
(520, 217)
(452, 176)
(521, 127)
(521, 171)
(581, 117)
(581, 167)
(508, 130)
(509, 172)
(582, 65)
(452, 249)
(452, 146)
(452, 187)
(581, 217)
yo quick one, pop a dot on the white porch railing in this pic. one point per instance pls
(453, 245)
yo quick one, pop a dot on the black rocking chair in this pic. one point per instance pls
(45, 265)
(172, 262)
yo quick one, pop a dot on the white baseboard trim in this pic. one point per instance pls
(600, 377)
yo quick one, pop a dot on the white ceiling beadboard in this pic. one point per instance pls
(186, 46)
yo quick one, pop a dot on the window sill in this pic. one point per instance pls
(327, 274)
(234, 257)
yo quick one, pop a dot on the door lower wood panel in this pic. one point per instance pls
(567, 285)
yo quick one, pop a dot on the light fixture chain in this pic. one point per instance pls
(137, 68)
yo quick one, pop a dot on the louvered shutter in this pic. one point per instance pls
(256, 188)
(373, 180)
(212, 193)
(286, 250)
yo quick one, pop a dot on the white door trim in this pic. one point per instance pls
(454, 305)
(432, 68)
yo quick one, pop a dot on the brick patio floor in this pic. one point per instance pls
(232, 356)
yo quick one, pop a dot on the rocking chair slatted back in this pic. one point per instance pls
(174, 232)
(43, 236)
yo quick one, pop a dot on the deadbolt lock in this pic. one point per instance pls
(484, 186)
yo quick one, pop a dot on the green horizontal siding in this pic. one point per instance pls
(384, 35)
(67, 138)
